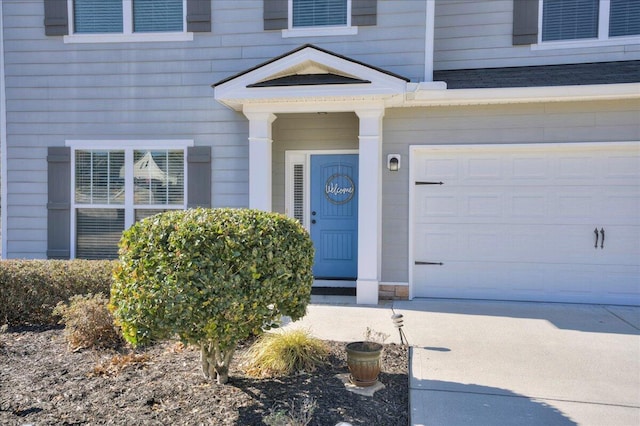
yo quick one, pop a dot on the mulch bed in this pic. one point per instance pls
(42, 382)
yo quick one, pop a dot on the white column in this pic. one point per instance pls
(369, 204)
(429, 40)
(260, 159)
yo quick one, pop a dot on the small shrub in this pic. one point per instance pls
(214, 277)
(30, 289)
(88, 322)
(284, 353)
(294, 416)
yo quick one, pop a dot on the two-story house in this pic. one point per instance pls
(433, 148)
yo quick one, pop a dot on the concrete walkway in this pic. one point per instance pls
(504, 363)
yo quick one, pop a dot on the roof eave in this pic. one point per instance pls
(421, 95)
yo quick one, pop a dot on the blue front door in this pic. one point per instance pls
(334, 215)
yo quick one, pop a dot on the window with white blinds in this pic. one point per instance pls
(157, 15)
(97, 16)
(158, 177)
(570, 19)
(624, 18)
(98, 177)
(298, 192)
(113, 188)
(319, 13)
(98, 232)
(127, 16)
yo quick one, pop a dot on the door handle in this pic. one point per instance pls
(601, 239)
(313, 222)
(595, 231)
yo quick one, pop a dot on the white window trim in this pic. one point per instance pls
(127, 35)
(323, 31)
(603, 38)
(128, 146)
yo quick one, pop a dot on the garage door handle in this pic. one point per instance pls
(595, 231)
(602, 239)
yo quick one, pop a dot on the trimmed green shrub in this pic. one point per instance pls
(30, 289)
(88, 322)
(214, 277)
(286, 352)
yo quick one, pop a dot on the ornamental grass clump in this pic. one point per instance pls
(284, 353)
(213, 277)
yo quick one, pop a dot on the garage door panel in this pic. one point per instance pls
(621, 169)
(534, 244)
(513, 204)
(620, 206)
(560, 283)
(518, 222)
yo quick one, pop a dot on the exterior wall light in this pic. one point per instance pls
(393, 162)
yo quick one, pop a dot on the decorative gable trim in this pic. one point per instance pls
(309, 72)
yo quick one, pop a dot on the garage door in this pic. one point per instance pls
(527, 222)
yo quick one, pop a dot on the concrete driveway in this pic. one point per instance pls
(505, 363)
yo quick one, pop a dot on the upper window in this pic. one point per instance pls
(589, 19)
(127, 16)
(319, 13)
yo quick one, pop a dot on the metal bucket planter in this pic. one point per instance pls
(363, 360)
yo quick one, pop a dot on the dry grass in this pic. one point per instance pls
(283, 353)
(118, 363)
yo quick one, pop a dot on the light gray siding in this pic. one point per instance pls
(58, 92)
(478, 34)
(526, 123)
(308, 132)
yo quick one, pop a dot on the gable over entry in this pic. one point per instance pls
(309, 80)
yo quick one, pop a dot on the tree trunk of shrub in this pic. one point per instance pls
(215, 362)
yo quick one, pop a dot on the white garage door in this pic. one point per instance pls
(518, 222)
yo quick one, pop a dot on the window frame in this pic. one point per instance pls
(602, 39)
(127, 34)
(129, 206)
(319, 31)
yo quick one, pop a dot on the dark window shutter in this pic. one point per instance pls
(525, 22)
(199, 16)
(199, 176)
(364, 12)
(56, 20)
(59, 203)
(275, 14)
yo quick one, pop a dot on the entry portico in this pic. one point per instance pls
(313, 80)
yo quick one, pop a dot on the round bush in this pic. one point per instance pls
(212, 276)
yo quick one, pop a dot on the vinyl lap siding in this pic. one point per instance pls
(57, 92)
(478, 34)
